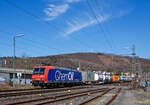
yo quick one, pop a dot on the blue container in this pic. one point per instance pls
(64, 75)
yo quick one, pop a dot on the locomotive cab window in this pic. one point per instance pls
(39, 71)
(42, 70)
(36, 71)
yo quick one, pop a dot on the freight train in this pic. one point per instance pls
(50, 76)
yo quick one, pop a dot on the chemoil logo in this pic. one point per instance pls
(62, 76)
(57, 75)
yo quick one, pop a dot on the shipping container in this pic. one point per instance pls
(115, 78)
(87, 77)
(100, 74)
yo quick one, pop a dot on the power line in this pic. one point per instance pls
(41, 44)
(99, 25)
(37, 43)
(6, 45)
(31, 41)
(106, 29)
(38, 18)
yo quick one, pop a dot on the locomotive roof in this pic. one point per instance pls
(55, 67)
(64, 68)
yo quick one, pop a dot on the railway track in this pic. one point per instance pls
(57, 98)
(99, 96)
(66, 96)
(22, 93)
(73, 96)
(14, 90)
(114, 97)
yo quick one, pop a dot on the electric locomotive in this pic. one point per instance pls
(50, 76)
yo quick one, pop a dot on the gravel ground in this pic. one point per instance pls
(133, 97)
(120, 98)
(143, 98)
(104, 99)
(6, 86)
(77, 101)
(126, 97)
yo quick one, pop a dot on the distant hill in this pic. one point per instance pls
(88, 61)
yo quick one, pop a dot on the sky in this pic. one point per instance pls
(53, 27)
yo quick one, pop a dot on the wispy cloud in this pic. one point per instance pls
(53, 11)
(71, 1)
(123, 13)
(78, 24)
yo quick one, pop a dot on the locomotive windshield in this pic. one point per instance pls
(42, 71)
(39, 71)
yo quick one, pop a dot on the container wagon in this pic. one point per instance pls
(87, 77)
(90, 77)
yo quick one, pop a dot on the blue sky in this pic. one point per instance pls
(52, 27)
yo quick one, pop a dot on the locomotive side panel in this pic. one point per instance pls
(60, 75)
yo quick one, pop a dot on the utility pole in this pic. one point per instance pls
(140, 75)
(14, 57)
(133, 64)
(25, 67)
(112, 62)
(14, 62)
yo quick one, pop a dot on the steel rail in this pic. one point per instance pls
(92, 99)
(14, 90)
(70, 96)
(114, 97)
(52, 97)
(35, 92)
